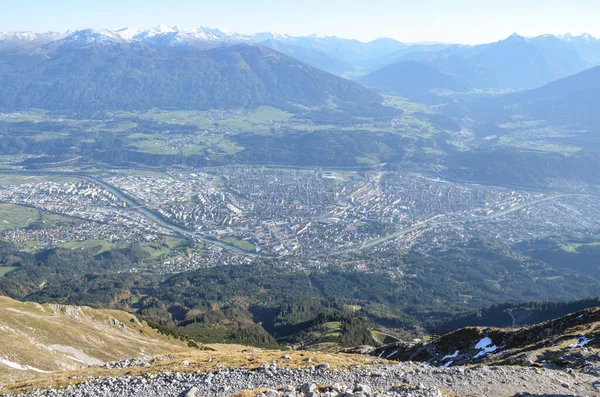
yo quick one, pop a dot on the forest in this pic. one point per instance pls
(266, 304)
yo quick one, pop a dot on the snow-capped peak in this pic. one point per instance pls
(93, 36)
(29, 35)
(319, 36)
(129, 33)
(164, 29)
(228, 31)
(587, 37)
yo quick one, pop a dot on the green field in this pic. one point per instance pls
(118, 126)
(241, 244)
(155, 250)
(173, 242)
(519, 123)
(155, 174)
(404, 104)
(4, 270)
(15, 179)
(249, 121)
(324, 336)
(98, 245)
(573, 247)
(16, 216)
(157, 144)
(383, 338)
(48, 136)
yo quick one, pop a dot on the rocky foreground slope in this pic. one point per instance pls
(556, 358)
(402, 379)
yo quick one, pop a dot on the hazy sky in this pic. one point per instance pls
(460, 21)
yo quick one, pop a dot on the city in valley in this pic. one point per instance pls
(192, 218)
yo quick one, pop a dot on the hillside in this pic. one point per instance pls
(95, 71)
(565, 348)
(567, 102)
(43, 338)
(570, 341)
(516, 62)
(414, 80)
(570, 85)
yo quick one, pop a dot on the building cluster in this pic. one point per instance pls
(56, 236)
(191, 200)
(299, 214)
(9, 115)
(206, 257)
(83, 200)
(312, 212)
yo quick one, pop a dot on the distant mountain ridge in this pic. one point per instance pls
(569, 101)
(515, 63)
(495, 65)
(419, 72)
(96, 70)
(414, 80)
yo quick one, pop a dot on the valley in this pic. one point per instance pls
(204, 212)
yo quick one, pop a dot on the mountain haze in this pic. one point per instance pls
(513, 63)
(570, 101)
(414, 80)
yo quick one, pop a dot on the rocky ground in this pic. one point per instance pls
(570, 341)
(402, 379)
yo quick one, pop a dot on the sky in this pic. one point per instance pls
(456, 21)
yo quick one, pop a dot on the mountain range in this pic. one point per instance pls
(171, 68)
(92, 70)
(516, 62)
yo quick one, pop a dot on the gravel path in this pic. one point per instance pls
(379, 380)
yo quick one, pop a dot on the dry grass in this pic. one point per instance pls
(56, 338)
(249, 393)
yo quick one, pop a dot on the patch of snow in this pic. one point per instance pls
(20, 367)
(319, 36)
(89, 36)
(580, 316)
(76, 354)
(451, 355)
(228, 31)
(29, 36)
(449, 363)
(486, 347)
(129, 33)
(164, 29)
(482, 344)
(392, 353)
(582, 342)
